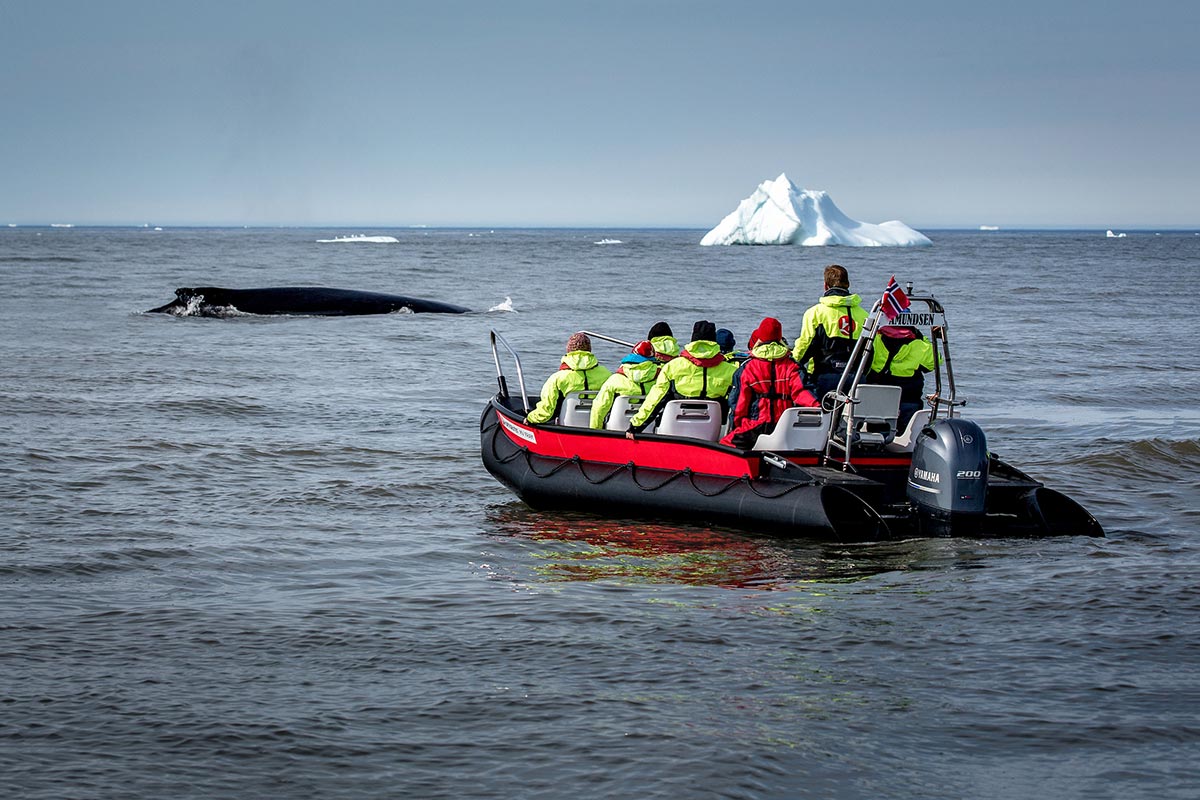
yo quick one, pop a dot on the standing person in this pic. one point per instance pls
(769, 383)
(634, 377)
(665, 344)
(828, 332)
(700, 372)
(578, 372)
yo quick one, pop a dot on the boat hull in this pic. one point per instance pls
(554, 468)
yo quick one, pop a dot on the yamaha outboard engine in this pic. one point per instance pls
(947, 482)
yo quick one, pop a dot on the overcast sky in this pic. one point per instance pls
(607, 113)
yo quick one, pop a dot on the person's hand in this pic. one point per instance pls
(937, 332)
(629, 435)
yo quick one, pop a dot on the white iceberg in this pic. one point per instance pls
(1111, 235)
(362, 238)
(781, 213)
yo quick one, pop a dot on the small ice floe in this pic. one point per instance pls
(609, 241)
(505, 306)
(361, 238)
(989, 227)
(62, 225)
(1111, 235)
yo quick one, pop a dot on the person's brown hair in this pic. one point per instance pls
(836, 277)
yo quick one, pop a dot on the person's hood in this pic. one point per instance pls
(770, 351)
(578, 360)
(666, 346)
(703, 353)
(841, 300)
(640, 372)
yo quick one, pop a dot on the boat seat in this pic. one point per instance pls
(695, 419)
(623, 409)
(876, 409)
(798, 428)
(906, 442)
(576, 409)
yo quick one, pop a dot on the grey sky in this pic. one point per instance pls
(597, 113)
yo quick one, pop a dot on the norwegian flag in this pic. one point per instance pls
(894, 300)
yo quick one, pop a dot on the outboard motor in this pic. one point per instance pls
(947, 482)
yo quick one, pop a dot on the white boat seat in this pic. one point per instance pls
(798, 428)
(906, 442)
(623, 409)
(576, 409)
(695, 419)
(876, 409)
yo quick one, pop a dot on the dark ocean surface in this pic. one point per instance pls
(260, 557)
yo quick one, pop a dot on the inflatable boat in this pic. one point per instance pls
(843, 472)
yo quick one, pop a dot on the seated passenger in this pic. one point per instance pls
(769, 383)
(579, 372)
(700, 372)
(727, 343)
(901, 358)
(665, 345)
(635, 376)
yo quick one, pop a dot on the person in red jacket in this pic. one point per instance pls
(770, 382)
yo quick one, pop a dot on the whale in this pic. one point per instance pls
(214, 301)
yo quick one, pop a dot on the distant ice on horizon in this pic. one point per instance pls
(779, 212)
(989, 227)
(1111, 235)
(361, 238)
(609, 241)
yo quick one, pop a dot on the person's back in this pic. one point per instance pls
(700, 372)
(769, 383)
(829, 331)
(901, 357)
(578, 372)
(635, 377)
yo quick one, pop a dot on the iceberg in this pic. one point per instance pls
(779, 212)
(1111, 235)
(361, 238)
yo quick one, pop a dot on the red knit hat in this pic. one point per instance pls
(579, 341)
(644, 348)
(769, 330)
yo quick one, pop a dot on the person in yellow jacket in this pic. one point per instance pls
(666, 346)
(578, 372)
(634, 377)
(828, 332)
(900, 357)
(700, 372)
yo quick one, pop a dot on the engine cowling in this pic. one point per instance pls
(948, 480)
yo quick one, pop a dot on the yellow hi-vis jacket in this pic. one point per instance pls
(628, 380)
(580, 372)
(700, 372)
(828, 332)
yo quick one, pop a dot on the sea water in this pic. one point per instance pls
(260, 557)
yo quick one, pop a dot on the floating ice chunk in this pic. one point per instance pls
(989, 227)
(609, 241)
(781, 213)
(505, 306)
(1111, 235)
(363, 238)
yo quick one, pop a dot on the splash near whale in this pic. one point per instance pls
(213, 301)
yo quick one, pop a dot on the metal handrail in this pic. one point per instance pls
(630, 345)
(500, 379)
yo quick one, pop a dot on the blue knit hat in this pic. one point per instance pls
(725, 340)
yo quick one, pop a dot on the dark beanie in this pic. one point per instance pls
(659, 329)
(704, 331)
(725, 340)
